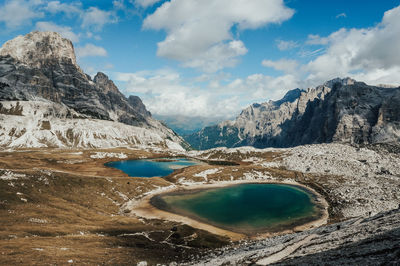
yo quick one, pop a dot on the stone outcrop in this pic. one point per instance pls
(38, 49)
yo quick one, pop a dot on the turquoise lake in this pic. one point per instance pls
(151, 168)
(244, 208)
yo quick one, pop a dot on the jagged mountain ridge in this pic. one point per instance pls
(41, 67)
(50, 72)
(341, 110)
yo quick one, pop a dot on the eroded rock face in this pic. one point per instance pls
(105, 83)
(41, 66)
(341, 110)
(137, 103)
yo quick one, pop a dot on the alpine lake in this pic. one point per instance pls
(248, 208)
(151, 167)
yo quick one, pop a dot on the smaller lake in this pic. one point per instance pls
(244, 208)
(151, 168)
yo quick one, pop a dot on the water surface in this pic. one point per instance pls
(151, 168)
(245, 207)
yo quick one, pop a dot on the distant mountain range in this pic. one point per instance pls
(340, 110)
(46, 100)
(186, 125)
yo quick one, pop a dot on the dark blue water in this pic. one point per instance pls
(150, 168)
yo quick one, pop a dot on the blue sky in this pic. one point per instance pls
(212, 58)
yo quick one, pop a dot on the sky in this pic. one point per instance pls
(212, 58)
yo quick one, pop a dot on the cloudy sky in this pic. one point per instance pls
(212, 58)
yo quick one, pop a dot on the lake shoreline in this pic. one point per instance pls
(164, 166)
(145, 208)
(159, 202)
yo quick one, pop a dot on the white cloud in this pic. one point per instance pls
(17, 13)
(311, 53)
(366, 54)
(285, 65)
(370, 54)
(91, 35)
(69, 9)
(90, 50)
(199, 31)
(341, 15)
(146, 3)
(96, 18)
(108, 66)
(66, 32)
(218, 56)
(165, 92)
(315, 39)
(259, 87)
(119, 4)
(286, 45)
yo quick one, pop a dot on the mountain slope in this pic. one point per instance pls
(341, 110)
(40, 78)
(186, 125)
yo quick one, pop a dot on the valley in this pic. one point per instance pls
(61, 205)
(68, 194)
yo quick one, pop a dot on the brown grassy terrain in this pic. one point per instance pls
(63, 205)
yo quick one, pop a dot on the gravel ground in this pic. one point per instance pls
(370, 180)
(363, 185)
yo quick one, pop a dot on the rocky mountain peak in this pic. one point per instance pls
(105, 83)
(341, 81)
(138, 105)
(340, 110)
(290, 96)
(61, 106)
(38, 48)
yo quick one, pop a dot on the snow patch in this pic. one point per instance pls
(256, 175)
(173, 145)
(26, 130)
(38, 221)
(207, 172)
(102, 155)
(252, 160)
(8, 175)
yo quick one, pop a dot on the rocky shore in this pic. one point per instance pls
(358, 241)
